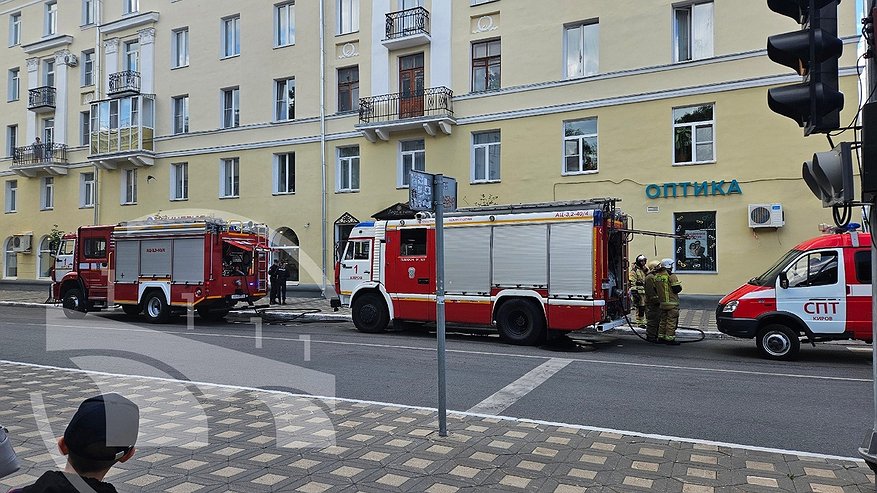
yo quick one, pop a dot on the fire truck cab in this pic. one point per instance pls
(164, 266)
(525, 269)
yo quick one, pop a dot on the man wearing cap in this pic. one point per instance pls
(101, 433)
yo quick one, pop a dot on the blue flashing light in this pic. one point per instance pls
(853, 226)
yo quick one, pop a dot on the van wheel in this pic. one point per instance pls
(370, 314)
(131, 310)
(74, 304)
(156, 308)
(778, 342)
(520, 322)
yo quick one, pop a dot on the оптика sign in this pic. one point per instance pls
(692, 189)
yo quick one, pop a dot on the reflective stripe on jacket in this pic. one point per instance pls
(666, 296)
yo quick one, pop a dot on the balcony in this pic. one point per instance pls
(125, 83)
(123, 131)
(41, 99)
(50, 158)
(431, 109)
(407, 28)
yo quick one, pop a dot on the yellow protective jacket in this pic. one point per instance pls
(666, 296)
(637, 278)
(651, 290)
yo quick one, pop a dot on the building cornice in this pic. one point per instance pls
(129, 22)
(48, 44)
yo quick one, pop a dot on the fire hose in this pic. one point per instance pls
(633, 329)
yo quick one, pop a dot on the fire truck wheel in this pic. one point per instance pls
(131, 310)
(779, 342)
(520, 322)
(370, 314)
(74, 304)
(156, 308)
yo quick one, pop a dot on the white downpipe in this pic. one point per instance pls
(323, 196)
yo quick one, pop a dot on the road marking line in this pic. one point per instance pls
(458, 413)
(513, 392)
(860, 349)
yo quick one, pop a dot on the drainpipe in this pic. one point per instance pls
(97, 8)
(323, 196)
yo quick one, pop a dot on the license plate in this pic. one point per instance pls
(238, 296)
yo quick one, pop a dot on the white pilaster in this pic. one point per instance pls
(33, 81)
(147, 60)
(380, 59)
(111, 61)
(62, 58)
(440, 47)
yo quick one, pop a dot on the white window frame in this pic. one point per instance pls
(11, 139)
(84, 128)
(408, 160)
(128, 187)
(587, 28)
(180, 47)
(348, 16)
(180, 103)
(179, 182)
(50, 27)
(86, 190)
(87, 70)
(349, 160)
(7, 253)
(11, 196)
(49, 72)
(284, 17)
(88, 12)
(230, 117)
(47, 193)
(45, 257)
(15, 28)
(132, 55)
(694, 142)
(130, 6)
(13, 92)
(485, 150)
(700, 27)
(284, 165)
(230, 31)
(580, 138)
(281, 106)
(229, 184)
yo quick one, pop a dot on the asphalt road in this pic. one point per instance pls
(711, 390)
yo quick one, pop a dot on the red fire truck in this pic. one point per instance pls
(163, 266)
(527, 269)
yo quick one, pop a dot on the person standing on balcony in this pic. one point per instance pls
(37, 150)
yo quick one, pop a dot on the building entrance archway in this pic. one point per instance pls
(285, 248)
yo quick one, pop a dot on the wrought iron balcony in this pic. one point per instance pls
(431, 108)
(41, 99)
(48, 157)
(407, 28)
(125, 83)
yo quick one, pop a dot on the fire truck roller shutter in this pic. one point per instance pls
(155, 258)
(127, 260)
(467, 260)
(188, 260)
(240, 244)
(571, 252)
(520, 255)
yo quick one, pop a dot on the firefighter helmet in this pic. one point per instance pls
(641, 259)
(653, 264)
(667, 263)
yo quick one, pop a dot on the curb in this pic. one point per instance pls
(25, 304)
(284, 316)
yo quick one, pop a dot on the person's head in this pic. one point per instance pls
(37, 139)
(653, 265)
(641, 260)
(276, 261)
(101, 433)
(667, 264)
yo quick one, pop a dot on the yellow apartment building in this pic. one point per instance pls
(307, 116)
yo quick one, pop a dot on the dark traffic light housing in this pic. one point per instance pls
(813, 53)
(830, 175)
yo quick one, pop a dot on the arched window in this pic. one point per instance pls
(10, 260)
(284, 244)
(45, 259)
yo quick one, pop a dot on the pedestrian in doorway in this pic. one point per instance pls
(653, 301)
(37, 150)
(272, 280)
(637, 278)
(669, 288)
(282, 277)
(101, 433)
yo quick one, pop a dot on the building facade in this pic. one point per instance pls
(308, 116)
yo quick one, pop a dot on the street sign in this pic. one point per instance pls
(420, 191)
(449, 194)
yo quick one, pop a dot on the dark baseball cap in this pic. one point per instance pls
(104, 428)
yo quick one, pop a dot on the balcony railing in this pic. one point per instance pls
(408, 22)
(36, 157)
(435, 102)
(127, 82)
(41, 99)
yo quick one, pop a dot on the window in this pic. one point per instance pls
(44, 258)
(10, 259)
(88, 12)
(284, 24)
(693, 139)
(284, 173)
(11, 139)
(94, 247)
(129, 187)
(131, 6)
(358, 250)
(48, 131)
(51, 18)
(486, 66)
(181, 114)
(348, 16)
(410, 4)
(284, 99)
(413, 242)
(86, 190)
(582, 49)
(11, 196)
(13, 91)
(485, 156)
(412, 156)
(180, 47)
(229, 178)
(84, 130)
(348, 169)
(231, 101)
(231, 36)
(15, 29)
(814, 269)
(862, 260)
(47, 193)
(132, 56)
(180, 181)
(696, 244)
(49, 72)
(580, 146)
(88, 68)
(348, 89)
(693, 31)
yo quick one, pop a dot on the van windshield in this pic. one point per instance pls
(769, 278)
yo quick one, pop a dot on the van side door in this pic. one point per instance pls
(813, 287)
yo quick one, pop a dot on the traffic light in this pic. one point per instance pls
(830, 175)
(813, 53)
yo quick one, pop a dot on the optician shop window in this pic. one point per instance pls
(695, 249)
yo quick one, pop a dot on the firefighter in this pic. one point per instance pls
(272, 279)
(668, 287)
(637, 279)
(653, 303)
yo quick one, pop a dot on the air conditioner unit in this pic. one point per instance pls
(766, 216)
(21, 243)
(71, 60)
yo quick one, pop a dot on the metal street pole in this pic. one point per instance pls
(438, 195)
